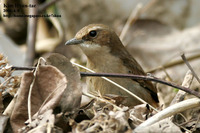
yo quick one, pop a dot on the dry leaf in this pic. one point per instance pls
(49, 85)
(71, 97)
(20, 113)
(50, 81)
(106, 119)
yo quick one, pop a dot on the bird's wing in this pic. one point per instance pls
(135, 68)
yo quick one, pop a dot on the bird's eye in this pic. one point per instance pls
(93, 33)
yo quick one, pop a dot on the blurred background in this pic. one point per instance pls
(156, 33)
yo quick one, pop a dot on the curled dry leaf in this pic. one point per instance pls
(20, 113)
(49, 86)
(3, 60)
(107, 119)
(71, 97)
(5, 69)
(10, 83)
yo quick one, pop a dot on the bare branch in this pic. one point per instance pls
(31, 38)
(141, 77)
(134, 16)
(174, 63)
(151, 78)
(190, 67)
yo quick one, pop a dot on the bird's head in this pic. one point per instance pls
(94, 38)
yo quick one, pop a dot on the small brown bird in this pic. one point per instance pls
(106, 53)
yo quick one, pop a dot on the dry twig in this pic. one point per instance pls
(30, 91)
(101, 99)
(190, 67)
(174, 63)
(141, 77)
(134, 16)
(31, 38)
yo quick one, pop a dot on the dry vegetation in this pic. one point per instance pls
(51, 96)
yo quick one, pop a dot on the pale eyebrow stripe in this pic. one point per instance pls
(95, 28)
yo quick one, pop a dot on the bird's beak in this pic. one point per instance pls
(74, 41)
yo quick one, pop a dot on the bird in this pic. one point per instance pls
(106, 54)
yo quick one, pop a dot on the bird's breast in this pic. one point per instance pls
(101, 60)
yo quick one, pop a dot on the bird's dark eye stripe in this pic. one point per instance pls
(93, 33)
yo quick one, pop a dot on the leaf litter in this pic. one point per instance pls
(56, 105)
